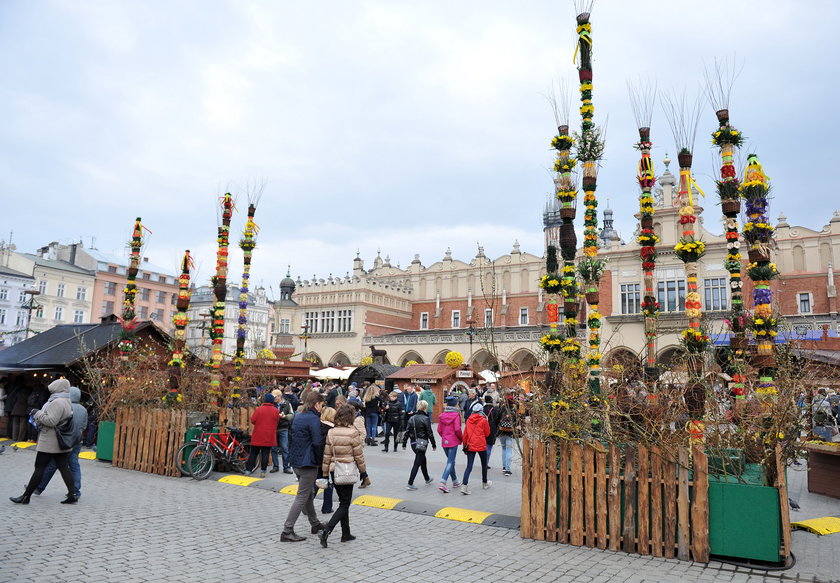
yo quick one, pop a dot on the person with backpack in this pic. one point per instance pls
(419, 431)
(449, 429)
(476, 430)
(80, 421)
(505, 431)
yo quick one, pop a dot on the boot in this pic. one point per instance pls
(373, 441)
(465, 490)
(386, 449)
(323, 536)
(365, 483)
(71, 499)
(22, 499)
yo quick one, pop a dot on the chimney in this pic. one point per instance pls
(73, 253)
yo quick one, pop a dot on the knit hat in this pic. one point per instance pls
(478, 408)
(268, 398)
(451, 400)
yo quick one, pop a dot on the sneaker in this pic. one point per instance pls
(274, 470)
(429, 481)
(486, 484)
(507, 473)
(411, 487)
(262, 474)
(456, 484)
(288, 471)
(443, 488)
(465, 490)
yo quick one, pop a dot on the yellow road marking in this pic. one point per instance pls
(23, 444)
(292, 490)
(462, 515)
(377, 501)
(239, 480)
(88, 455)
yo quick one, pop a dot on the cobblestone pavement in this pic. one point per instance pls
(134, 527)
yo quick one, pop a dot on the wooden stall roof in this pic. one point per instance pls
(435, 372)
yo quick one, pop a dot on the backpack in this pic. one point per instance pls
(506, 422)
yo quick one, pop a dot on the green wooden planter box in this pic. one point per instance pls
(744, 518)
(105, 440)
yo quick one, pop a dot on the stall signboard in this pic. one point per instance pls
(464, 374)
(424, 381)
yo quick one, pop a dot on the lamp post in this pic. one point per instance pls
(30, 305)
(471, 334)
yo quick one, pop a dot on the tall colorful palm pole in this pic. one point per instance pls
(247, 244)
(643, 99)
(219, 281)
(727, 138)
(683, 118)
(128, 318)
(180, 321)
(590, 148)
(758, 234)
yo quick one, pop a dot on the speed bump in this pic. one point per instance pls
(821, 526)
(377, 502)
(239, 480)
(292, 490)
(462, 515)
(23, 444)
(88, 455)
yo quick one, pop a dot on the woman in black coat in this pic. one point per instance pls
(419, 430)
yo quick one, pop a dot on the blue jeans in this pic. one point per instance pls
(507, 450)
(489, 449)
(327, 505)
(449, 468)
(371, 421)
(73, 461)
(281, 447)
(482, 455)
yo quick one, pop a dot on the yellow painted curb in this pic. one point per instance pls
(2, 439)
(377, 502)
(23, 444)
(462, 515)
(239, 480)
(292, 490)
(88, 455)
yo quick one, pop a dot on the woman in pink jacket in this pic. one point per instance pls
(449, 429)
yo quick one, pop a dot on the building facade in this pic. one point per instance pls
(492, 310)
(14, 304)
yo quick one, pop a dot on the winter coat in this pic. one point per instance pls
(428, 395)
(408, 402)
(265, 419)
(393, 411)
(305, 440)
(493, 414)
(20, 399)
(468, 405)
(344, 444)
(80, 414)
(51, 415)
(371, 406)
(449, 427)
(284, 408)
(359, 424)
(476, 430)
(419, 427)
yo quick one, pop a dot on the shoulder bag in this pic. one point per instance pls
(65, 434)
(344, 473)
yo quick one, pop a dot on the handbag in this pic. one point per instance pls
(422, 444)
(344, 473)
(65, 434)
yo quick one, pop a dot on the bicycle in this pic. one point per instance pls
(183, 453)
(228, 448)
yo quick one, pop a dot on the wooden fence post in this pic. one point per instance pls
(563, 492)
(538, 491)
(700, 506)
(551, 493)
(781, 485)
(589, 493)
(525, 510)
(601, 498)
(576, 525)
(644, 502)
(656, 501)
(683, 530)
(629, 534)
(614, 496)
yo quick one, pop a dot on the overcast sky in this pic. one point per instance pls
(408, 127)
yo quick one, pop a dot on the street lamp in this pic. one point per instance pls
(30, 305)
(471, 334)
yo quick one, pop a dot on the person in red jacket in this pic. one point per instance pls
(476, 431)
(264, 436)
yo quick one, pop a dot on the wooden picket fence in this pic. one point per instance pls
(146, 439)
(646, 504)
(241, 417)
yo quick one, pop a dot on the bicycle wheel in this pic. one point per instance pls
(239, 458)
(200, 462)
(182, 455)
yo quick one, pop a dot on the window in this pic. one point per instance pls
(310, 322)
(4, 293)
(424, 320)
(804, 303)
(630, 298)
(715, 292)
(22, 297)
(285, 325)
(143, 313)
(488, 318)
(110, 288)
(671, 295)
(59, 313)
(523, 316)
(456, 318)
(161, 279)
(157, 315)
(21, 318)
(42, 287)
(112, 269)
(174, 299)
(39, 313)
(143, 294)
(81, 293)
(60, 291)
(147, 275)
(161, 297)
(78, 316)
(328, 321)
(345, 320)
(2, 315)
